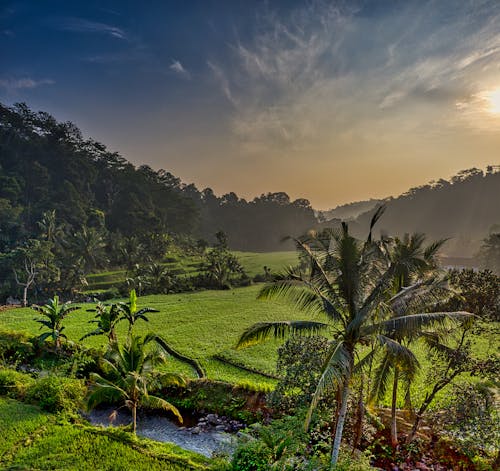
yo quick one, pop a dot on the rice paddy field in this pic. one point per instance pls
(200, 325)
(206, 325)
(32, 439)
(252, 262)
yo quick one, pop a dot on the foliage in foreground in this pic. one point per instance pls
(32, 439)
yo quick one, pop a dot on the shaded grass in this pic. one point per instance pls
(17, 422)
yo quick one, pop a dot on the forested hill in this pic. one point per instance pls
(465, 209)
(47, 165)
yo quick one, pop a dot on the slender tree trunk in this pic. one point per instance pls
(25, 296)
(358, 428)
(394, 425)
(340, 424)
(134, 418)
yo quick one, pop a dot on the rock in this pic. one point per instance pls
(422, 466)
(212, 419)
(195, 430)
(220, 428)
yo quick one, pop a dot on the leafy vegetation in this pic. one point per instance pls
(350, 283)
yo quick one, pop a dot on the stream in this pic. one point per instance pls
(162, 429)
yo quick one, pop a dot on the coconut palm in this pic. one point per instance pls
(348, 284)
(129, 376)
(416, 266)
(106, 318)
(131, 314)
(54, 313)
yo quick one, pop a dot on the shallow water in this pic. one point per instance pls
(162, 429)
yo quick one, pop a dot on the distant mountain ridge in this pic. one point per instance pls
(348, 211)
(464, 209)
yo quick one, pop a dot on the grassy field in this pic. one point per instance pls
(199, 325)
(32, 439)
(252, 262)
(207, 324)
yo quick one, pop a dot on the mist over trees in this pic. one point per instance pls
(100, 198)
(46, 165)
(465, 209)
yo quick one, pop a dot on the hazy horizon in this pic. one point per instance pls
(331, 101)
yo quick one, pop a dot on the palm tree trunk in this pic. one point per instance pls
(340, 424)
(394, 429)
(134, 418)
(358, 428)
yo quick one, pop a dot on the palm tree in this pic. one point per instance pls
(414, 262)
(130, 376)
(131, 314)
(50, 230)
(55, 313)
(347, 283)
(107, 318)
(87, 246)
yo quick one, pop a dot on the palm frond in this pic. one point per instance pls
(381, 379)
(261, 331)
(154, 402)
(412, 324)
(400, 355)
(376, 216)
(336, 371)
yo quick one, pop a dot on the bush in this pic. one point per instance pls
(14, 384)
(253, 456)
(57, 394)
(15, 347)
(300, 361)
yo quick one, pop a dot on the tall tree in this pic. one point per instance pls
(347, 283)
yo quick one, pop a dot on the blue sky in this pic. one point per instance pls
(333, 101)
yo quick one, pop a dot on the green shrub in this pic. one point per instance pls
(14, 384)
(15, 347)
(253, 456)
(57, 394)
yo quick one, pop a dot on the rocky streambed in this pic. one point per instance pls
(206, 435)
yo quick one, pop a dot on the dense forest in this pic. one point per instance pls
(464, 209)
(48, 165)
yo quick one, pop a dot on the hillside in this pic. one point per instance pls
(464, 209)
(349, 211)
(47, 165)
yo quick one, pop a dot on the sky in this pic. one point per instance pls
(331, 101)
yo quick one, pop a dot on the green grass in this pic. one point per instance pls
(34, 440)
(18, 421)
(196, 324)
(252, 262)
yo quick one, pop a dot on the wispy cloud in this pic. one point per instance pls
(81, 25)
(179, 69)
(222, 81)
(326, 73)
(11, 84)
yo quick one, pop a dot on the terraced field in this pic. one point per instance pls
(199, 325)
(252, 262)
(32, 439)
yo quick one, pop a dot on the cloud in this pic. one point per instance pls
(81, 25)
(325, 73)
(24, 83)
(222, 81)
(179, 69)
